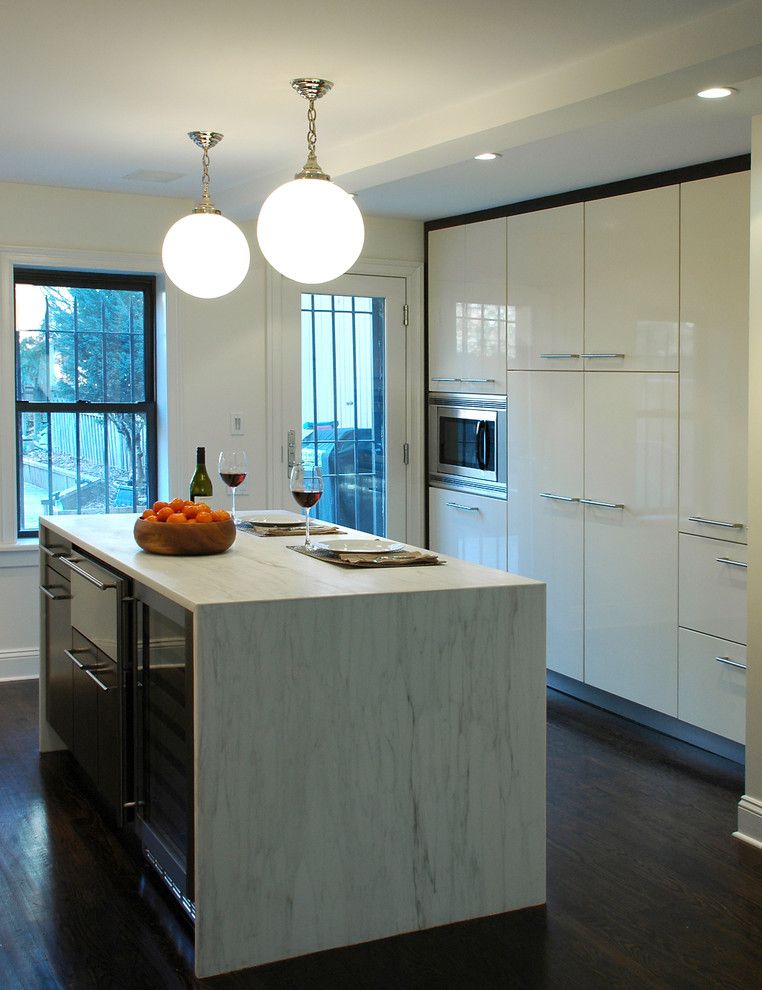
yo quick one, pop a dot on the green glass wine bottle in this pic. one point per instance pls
(201, 483)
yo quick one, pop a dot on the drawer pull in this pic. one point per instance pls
(715, 522)
(447, 379)
(733, 563)
(560, 357)
(49, 592)
(468, 381)
(596, 356)
(558, 498)
(731, 663)
(92, 676)
(602, 505)
(83, 574)
(71, 654)
(463, 508)
(53, 550)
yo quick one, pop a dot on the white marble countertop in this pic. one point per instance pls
(260, 569)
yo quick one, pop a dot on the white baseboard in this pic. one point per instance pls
(749, 821)
(18, 665)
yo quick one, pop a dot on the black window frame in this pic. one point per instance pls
(78, 279)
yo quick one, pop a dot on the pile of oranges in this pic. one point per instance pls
(180, 511)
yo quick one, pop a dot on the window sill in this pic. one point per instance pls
(23, 553)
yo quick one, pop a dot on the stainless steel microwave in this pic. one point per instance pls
(467, 442)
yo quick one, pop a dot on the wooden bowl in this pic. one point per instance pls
(185, 541)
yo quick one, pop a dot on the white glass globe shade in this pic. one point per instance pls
(205, 255)
(310, 230)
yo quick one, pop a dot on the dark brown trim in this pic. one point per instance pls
(690, 173)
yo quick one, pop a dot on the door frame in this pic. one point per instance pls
(414, 426)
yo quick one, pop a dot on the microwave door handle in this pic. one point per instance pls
(487, 446)
(481, 429)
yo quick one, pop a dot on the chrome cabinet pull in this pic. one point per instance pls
(733, 563)
(558, 498)
(602, 505)
(99, 682)
(715, 522)
(71, 655)
(602, 355)
(469, 381)
(553, 357)
(53, 551)
(49, 592)
(731, 663)
(464, 508)
(88, 577)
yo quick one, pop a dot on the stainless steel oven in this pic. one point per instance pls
(467, 442)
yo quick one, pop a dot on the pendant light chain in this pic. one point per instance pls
(205, 177)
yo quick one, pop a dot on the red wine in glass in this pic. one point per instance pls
(306, 484)
(233, 468)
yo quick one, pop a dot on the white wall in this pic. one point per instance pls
(750, 807)
(215, 353)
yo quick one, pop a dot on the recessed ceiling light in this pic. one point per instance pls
(716, 92)
(487, 156)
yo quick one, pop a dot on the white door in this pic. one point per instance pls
(343, 398)
(631, 536)
(545, 516)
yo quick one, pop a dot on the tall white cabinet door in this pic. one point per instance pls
(466, 305)
(471, 527)
(545, 517)
(631, 281)
(631, 552)
(545, 288)
(714, 358)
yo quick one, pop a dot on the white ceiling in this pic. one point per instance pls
(572, 94)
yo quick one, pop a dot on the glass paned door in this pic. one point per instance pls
(346, 399)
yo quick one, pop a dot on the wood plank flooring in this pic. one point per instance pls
(646, 887)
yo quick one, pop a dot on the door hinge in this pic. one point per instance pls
(405, 315)
(405, 453)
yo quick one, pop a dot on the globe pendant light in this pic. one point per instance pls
(204, 254)
(309, 229)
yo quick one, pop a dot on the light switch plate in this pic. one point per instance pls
(236, 424)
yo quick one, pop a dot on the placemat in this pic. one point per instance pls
(397, 558)
(316, 529)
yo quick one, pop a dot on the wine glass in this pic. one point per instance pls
(233, 468)
(306, 483)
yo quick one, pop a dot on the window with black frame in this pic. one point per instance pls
(85, 393)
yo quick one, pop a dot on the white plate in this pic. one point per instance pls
(358, 546)
(271, 519)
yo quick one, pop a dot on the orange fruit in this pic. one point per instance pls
(202, 507)
(220, 515)
(177, 504)
(147, 513)
(158, 505)
(163, 514)
(190, 510)
(177, 517)
(204, 517)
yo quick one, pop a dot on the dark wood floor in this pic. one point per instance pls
(646, 887)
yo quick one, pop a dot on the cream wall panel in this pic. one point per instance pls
(714, 355)
(545, 256)
(545, 534)
(467, 309)
(631, 280)
(631, 552)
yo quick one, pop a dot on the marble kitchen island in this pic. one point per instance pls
(369, 745)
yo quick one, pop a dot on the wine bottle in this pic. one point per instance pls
(201, 483)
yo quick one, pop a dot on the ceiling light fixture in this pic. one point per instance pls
(205, 254)
(310, 229)
(716, 92)
(487, 156)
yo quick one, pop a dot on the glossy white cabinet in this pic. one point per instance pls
(713, 587)
(712, 691)
(467, 308)
(714, 356)
(545, 522)
(545, 275)
(471, 527)
(631, 537)
(632, 281)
